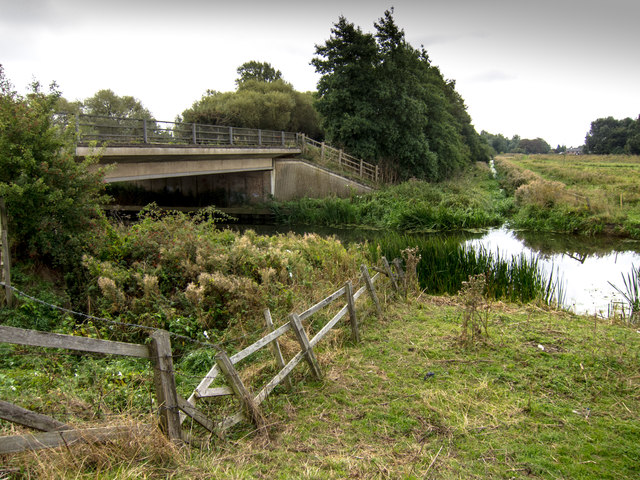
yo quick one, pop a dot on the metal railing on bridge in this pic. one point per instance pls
(121, 131)
(135, 131)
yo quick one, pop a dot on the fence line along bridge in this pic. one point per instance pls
(227, 165)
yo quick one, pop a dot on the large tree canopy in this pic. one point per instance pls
(52, 199)
(260, 71)
(257, 103)
(381, 99)
(611, 136)
(107, 103)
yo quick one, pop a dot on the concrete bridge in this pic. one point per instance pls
(230, 165)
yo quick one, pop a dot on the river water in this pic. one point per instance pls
(584, 265)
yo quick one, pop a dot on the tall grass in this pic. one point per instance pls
(473, 200)
(631, 292)
(446, 263)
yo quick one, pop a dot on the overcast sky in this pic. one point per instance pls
(536, 68)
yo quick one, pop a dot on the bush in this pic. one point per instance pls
(53, 201)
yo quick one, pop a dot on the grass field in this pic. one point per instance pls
(545, 395)
(583, 194)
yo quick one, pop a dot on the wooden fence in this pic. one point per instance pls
(347, 162)
(172, 408)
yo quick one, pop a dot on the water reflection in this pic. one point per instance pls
(586, 265)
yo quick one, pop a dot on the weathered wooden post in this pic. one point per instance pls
(402, 281)
(275, 345)
(165, 384)
(251, 410)
(372, 291)
(355, 332)
(296, 325)
(5, 259)
(322, 152)
(230, 135)
(387, 269)
(340, 158)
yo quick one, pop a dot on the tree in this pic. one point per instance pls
(53, 201)
(118, 116)
(611, 136)
(107, 103)
(260, 71)
(272, 105)
(537, 145)
(348, 89)
(382, 100)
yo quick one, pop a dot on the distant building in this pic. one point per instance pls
(574, 151)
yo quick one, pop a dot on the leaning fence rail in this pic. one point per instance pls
(172, 408)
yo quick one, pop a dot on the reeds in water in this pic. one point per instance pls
(447, 262)
(631, 292)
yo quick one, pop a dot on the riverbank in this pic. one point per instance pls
(584, 194)
(471, 200)
(543, 394)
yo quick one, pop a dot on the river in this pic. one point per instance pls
(586, 266)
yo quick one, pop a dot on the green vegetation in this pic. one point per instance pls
(183, 274)
(382, 100)
(543, 395)
(501, 144)
(471, 200)
(446, 263)
(53, 201)
(574, 194)
(631, 292)
(610, 136)
(258, 103)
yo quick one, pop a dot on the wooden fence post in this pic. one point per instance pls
(165, 384)
(296, 325)
(5, 259)
(246, 400)
(322, 152)
(275, 346)
(371, 288)
(355, 332)
(402, 281)
(387, 268)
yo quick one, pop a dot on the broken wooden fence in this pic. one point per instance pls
(173, 409)
(225, 365)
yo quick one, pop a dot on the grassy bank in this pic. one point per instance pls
(472, 200)
(544, 395)
(588, 194)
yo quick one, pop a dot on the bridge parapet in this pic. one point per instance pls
(144, 132)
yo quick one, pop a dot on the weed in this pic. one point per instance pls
(475, 317)
(631, 293)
